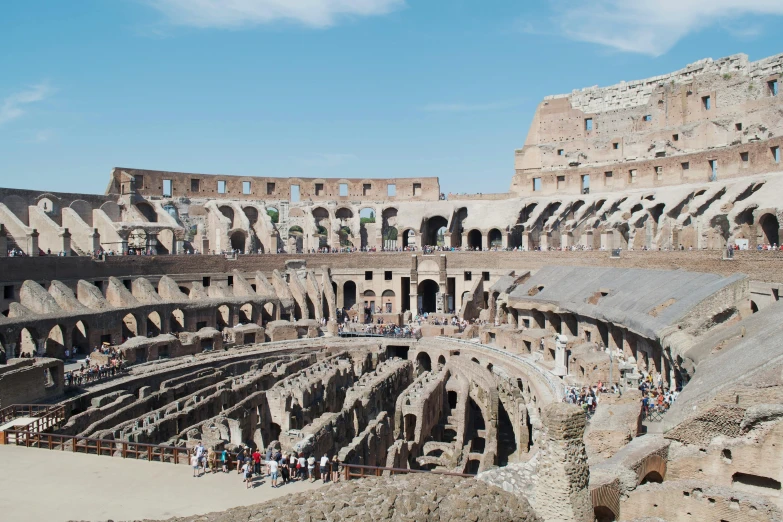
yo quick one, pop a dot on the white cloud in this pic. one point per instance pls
(650, 26)
(243, 13)
(14, 105)
(469, 107)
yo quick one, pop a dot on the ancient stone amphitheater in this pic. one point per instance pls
(608, 261)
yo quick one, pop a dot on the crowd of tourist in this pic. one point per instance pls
(280, 467)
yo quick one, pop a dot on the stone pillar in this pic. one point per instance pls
(65, 238)
(561, 491)
(465, 240)
(504, 239)
(96, 241)
(526, 240)
(484, 241)
(414, 303)
(32, 243)
(543, 240)
(589, 239)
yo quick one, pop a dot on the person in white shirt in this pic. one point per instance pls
(247, 472)
(322, 468)
(273, 466)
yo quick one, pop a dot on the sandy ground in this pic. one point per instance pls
(38, 484)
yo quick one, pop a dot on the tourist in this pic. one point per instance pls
(284, 469)
(293, 465)
(273, 467)
(256, 456)
(311, 468)
(224, 460)
(323, 468)
(335, 469)
(247, 470)
(194, 463)
(240, 459)
(211, 460)
(200, 454)
(301, 466)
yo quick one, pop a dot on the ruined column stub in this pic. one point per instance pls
(561, 490)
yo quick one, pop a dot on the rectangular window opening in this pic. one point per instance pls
(391, 190)
(246, 187)
(776, 154)
(139, 181)
(387, 275)
(616, 145)
(8, 292)
(588, 124)
(744, 156)
(706, 102)
(468, 276)
(270, 189)
(536, 184)
(127, 283)
(659, 172)
(230, 280)
(647, 117)
(368, 275)
(632, 176)
(417, 189)
(675, 137)
(167, 189)
(560, 152)
(319, 189)
(738, 126)
(205, 281)
(685, 165)
(485, 276)
(366, 189)
(343, 189)
(713, 170)
(560, 182)
(294, 193)
(195, 185)
(221, 187)
(773, 87)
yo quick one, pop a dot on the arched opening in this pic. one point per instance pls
(185, 290)
(177, 321)
(428, 296)
(153, 324)
(423, 363)
(769, 230)
(441, 362)
(274, 432)
(246, 314)
(251, 213)
(652, 477)
(409, 238)
(603, 514)
(754, 307)
(146, 210)
(223, 317)
(130, 327)
(238, 238)
(452, 398)
(28, 342)
(55, 343)
(349, 294)
(80, 339)
(495, 238)
(410, 427)
(387, 301)
(296, 238)
(228, 212)
(389, 228)
(137, 240)
(434, 230)
(474, 239)
(322, 226)
(369, 303)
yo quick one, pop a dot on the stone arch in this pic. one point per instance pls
(606, 502)
(343, 214)
(474, 239)
(55, 342)
(28, 341)
(753, 307)
(177, 321)
(652, 469)
(433, 231)
(130, 327)
(495, 238)
(154, 324)
(423, 362)
(247, 313)
(251, 213)
(408, 238)
(389, 231)
(147, 211)
(769, 229)
(409, 427)
(296, 234)
(228, 212)
(349, 294)
(428, 295)
(80, 337)
(238, 239)
(112, 209)
(268, 312)
(387, 301)
(83, 209)
(441, 362)
(223, 317)
(366, 217)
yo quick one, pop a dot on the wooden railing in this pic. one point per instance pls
(349, 471)
(106, 447)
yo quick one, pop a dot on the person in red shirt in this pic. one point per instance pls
(256, 456)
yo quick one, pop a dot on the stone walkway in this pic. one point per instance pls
(38, 484)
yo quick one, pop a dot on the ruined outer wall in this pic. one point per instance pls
(760, 266)
(655, 125)
(150, 183)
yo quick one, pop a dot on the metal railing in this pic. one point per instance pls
(45, 416)
(105, 447)
(375, 471)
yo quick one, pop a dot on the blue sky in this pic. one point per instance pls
(325, 88)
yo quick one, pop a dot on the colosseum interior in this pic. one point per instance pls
(639, 240)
